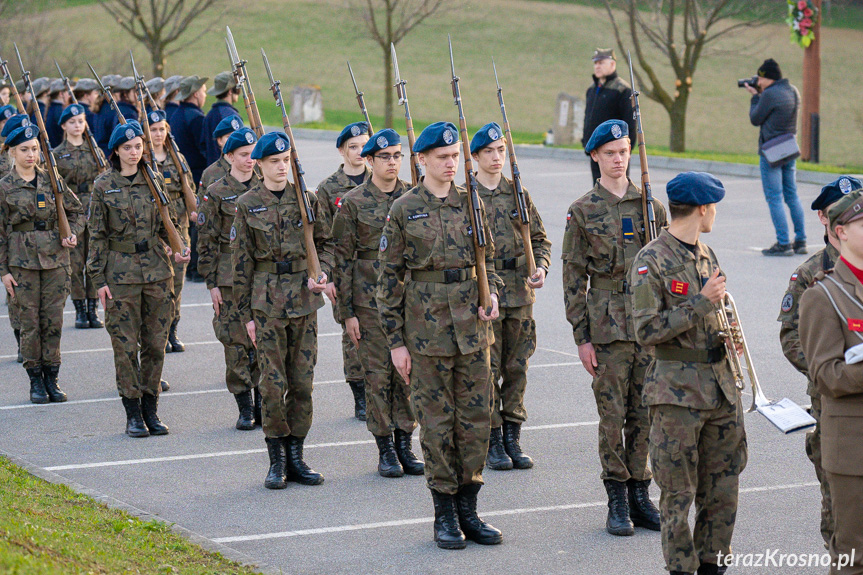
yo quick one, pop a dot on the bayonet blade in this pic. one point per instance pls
(451, 60)
(267, 66)
(20, 62)
(231, 45)
(95, 75)
(134, 69)
(354, 80)
(395, 63)
(495, 74)
(631, 76)
(59, 71)
(230, 55)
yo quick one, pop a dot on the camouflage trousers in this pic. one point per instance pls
(451, 399)
(39, 299)
(179, 274)
(14, 319)
(813, 451)
(847, 491)
(514, 343)
(241, 366)
(387, 397)
(623, 418)
(697, 455)
(82, 284)
(287, 353)
(137, 319)
(351, 364)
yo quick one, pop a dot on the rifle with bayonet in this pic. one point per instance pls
(88, 135)
(646, 193)
(520, 201)
(174, 239)
(242, 78)
(474, 204)
(308, 215)
(361, 100)
(170, 145)
(48, 154)
(4, 65)
(402, 93)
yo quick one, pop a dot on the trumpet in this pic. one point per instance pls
(732, 330)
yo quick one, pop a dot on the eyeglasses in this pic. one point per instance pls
(385, 158)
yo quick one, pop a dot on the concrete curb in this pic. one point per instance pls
(193, 537)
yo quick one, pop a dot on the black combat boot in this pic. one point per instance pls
(678, 573)
(447, 532)
(50, 373)
(93, 314)
(709, 569)
(149, 408)
(17, 333)
(37, 386)
(411, 464)
(388, 461)
(497, 457)
(134, 422)
(81, 319)
(164, 385)
(511, 433)
(618, 522)
(259, 419)
(244, 403)
(278, 463)
(297, 469)
(642, 511)
(474, 528)
(173, 341)
(358, 387)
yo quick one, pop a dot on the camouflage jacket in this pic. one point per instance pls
(502, 216)
(268, 230)
(215, 218)
(357, 231)
(427, 233)
(5, 163)
(331, 191)
(789, 314)
(174, 188)
(21, 203)
(670, 313)
(603, 235)
(78, 168)
(215, 171)
(123, 214)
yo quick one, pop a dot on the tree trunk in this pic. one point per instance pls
(677, 115)
(388, 89)
(157, 54)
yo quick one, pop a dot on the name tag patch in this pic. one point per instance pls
(679, 288)
(257, 209)
(417, 217)
(229, 198)
(112, 191)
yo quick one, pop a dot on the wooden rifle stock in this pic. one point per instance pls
(650, 231)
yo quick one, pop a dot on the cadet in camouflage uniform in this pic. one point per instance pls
(278, 304)
(221, 167)
(789, 334)
(174, 190)
(515, 328)
(129, 262)
(357, 230)
(351, 173)
(34, 260)
(604, 231)
(79, 170)
(438, 335)
(6, 114)
(215, 218)
(697, 439)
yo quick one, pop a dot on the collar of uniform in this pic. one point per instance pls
(608, 79)
(21, 182)
(379, 194)
(453, 199)
(682, 250)
(844, 273)
(345, 181)
(220, 103)
(502, 187)
(189, 105)
(139, 179)
(631, 193)
(234, 185)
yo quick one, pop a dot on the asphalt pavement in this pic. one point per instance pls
(207, 477)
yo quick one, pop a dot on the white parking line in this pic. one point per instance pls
(425, 520)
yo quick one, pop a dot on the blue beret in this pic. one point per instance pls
(383, 139)
(835, 190)
(436, 135)
(228, 124)
(242, 137)
(485, 136)
(606, 132)
(352, 131)
(7, 112)
(694, 189)
(156, 116)
(122, 133)
(69, 112)
(21, 135)
(271, 144)
(14, 123)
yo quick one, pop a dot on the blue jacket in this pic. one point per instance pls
(775, 111)
(170, 108)
(52, 126)
(187, 125)
(219, 110)
(100, 126)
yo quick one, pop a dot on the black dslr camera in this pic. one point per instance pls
(753, 81)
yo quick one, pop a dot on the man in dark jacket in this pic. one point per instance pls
(226, 92)
(774, 108)
(608, 98)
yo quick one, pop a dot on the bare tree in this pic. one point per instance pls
(389, 21)
(680, 30)
(158, 24)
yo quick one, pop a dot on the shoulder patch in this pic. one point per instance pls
(206, 198)
(642, 270)
(787, 302)
(855, 324)
(202, 217)
(794, 277)
(233, 235)
(384, 243)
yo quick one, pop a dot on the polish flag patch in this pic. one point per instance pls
(642, 270)
(794, 277)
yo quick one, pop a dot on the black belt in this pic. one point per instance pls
(32, 225)
(510, 263)
(129, 247)
(669, 353)
(444, 276)
(283, 267)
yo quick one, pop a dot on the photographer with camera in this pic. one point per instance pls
(774, 109)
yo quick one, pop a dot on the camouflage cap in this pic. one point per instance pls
(155, 85)
(223, 82)
(846, 209)
(172, 84)
(19, 86)
(602, 54)
(56, 86)
(191, 84)
(41, 85)
(123, 84)
(86, 85)
(110, 79)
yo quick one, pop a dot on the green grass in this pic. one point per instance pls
(49, 529)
